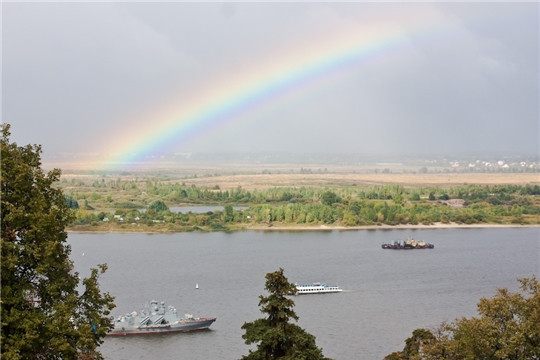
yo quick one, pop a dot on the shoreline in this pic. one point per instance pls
(329, 228)
(390, 227)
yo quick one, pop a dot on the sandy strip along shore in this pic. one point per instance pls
(261, 227)
(385, 227)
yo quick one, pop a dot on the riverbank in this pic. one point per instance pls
(281, 227)
(385, 227)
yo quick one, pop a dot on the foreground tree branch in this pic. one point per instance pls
(43, 314)
(508, 328)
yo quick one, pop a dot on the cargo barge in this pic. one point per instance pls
(408, 244)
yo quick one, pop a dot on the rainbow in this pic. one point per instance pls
(263, 88)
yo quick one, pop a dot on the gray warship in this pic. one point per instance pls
(157, 319)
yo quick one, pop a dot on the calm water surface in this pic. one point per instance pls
(388, 293)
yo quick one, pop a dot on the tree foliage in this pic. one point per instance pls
(228, 213)
(276, 337)
(508, 328)
(158, 206)
(71, 202)
(43, 314)
(329, 197)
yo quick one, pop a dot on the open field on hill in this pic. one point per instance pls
(264, 176)
(264, 181)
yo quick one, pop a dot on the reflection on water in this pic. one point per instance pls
(388, 293)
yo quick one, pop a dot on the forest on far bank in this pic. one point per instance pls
(117, 205)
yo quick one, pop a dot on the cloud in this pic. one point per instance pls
(82, 67)
(462, 76)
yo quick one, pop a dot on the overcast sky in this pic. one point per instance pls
(456, 78)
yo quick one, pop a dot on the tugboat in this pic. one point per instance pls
(407, 244)
(157, 319)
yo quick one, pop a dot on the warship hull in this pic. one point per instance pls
(198, 324)
(157, 319)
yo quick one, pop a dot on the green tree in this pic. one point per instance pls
(329, 197)
(228, 213)
(398, 199)
(43, 314)
(508, 328)
(276, 337)
(71, 202)
(444, 197)
(158, 206)
(286, 196)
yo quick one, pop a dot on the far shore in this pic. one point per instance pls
(387, 227)
(323, 228)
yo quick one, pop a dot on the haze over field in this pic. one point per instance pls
(138, 79)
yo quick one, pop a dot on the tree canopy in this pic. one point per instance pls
(329, 197)
(508, 328)
(71, 202)
(43, 314)
(276, 337)
(158, 206)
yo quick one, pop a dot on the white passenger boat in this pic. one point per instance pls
(316, 288)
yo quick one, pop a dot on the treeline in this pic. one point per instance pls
(369, 212)
(178, 193)
(212, 220)
(390, 204)
(393, 204)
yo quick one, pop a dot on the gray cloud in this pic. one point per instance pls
(80, 76)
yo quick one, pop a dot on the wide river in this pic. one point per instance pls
(388, 293)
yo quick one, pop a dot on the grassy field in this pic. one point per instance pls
(264, 176)
(251, 182)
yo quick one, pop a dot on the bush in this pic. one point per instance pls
(329, 197)
(158, 206)
(71, 202)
